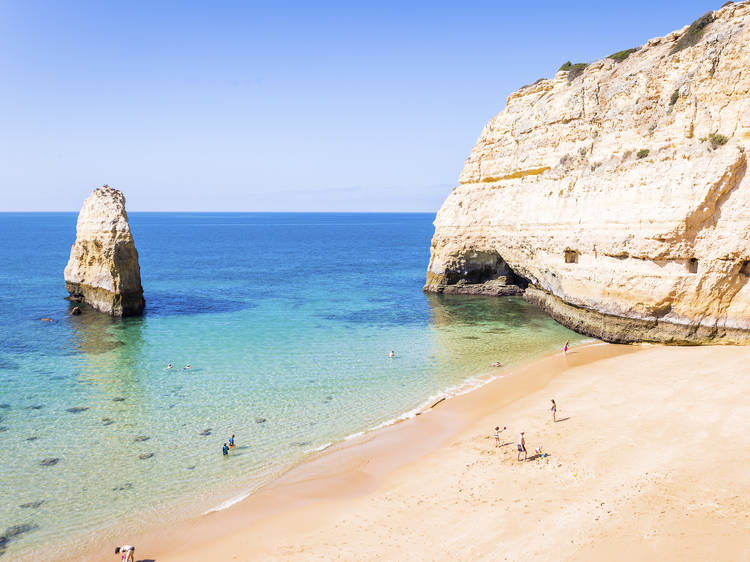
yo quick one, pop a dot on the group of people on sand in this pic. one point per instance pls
(521, 445)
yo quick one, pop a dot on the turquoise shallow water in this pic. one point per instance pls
(287, 321)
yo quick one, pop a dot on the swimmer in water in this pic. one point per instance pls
(391, 354)
(187, 366)
(496, 364)
(169, 365)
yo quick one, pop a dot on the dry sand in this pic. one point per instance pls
(649, 460)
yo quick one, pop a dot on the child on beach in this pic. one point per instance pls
(553, 409)
(231, 441)
(126, 552)
(497, 435)
(521, 446)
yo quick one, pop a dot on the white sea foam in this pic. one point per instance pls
(229, 503)
(323, 447)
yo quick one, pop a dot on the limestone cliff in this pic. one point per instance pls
(618, 194)
(103, 269)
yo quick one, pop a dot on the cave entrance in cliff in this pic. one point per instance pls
(481, 267)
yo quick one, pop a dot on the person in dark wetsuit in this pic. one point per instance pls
(225, 449)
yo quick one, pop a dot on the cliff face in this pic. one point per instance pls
(103, 269)
(621, 195)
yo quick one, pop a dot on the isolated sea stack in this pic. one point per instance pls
(615, 195)
(103, 269)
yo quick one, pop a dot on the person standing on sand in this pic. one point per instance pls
(521, 446)
(553, 409)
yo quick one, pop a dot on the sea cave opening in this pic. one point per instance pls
(481, 267)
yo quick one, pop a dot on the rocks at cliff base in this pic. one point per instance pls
(103, 269)
(619, 196)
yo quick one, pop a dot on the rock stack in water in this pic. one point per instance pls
(103, 269)
(616, 194)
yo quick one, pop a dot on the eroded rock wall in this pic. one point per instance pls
(620, 194)
(103, 269)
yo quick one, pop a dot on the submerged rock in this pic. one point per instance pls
(144, 456)
(31, 505)
(141, 438)
(260, 420)
(205, 432)
(76, 409)
(103, 269)
(16, 530)
(51, 461)
(616, 197)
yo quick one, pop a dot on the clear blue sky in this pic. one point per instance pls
(272, 106)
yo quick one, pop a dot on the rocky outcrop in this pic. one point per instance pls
(618, 193)
(103, 269)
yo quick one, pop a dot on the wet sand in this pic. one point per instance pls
(648, 460)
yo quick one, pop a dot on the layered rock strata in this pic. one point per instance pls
(619, 194)
(103, 269)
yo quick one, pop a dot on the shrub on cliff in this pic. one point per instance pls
(693, 33)
(573, 70)
(642, 153)
(717, 139)
(620, 56)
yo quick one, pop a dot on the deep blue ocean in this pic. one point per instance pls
(287, 321)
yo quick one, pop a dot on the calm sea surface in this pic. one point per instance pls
(287, 321)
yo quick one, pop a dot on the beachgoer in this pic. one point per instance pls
(392, 354)
(231, 441)
(538, 450)
(565, 349)
(126, 552)
(169, 365)
(496, 364)
(497, 435)
(187, 366)
(521, 446)
(553, 409)
(225, 449)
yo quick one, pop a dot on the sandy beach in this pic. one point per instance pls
(647, 460)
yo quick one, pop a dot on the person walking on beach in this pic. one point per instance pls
(521, 446)
(553, 409)
(225, 450)
(126, 552)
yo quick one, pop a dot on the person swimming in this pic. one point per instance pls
(231, 441)
(187, 366)
(169, 365)
(392, 354)
(225, 450)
